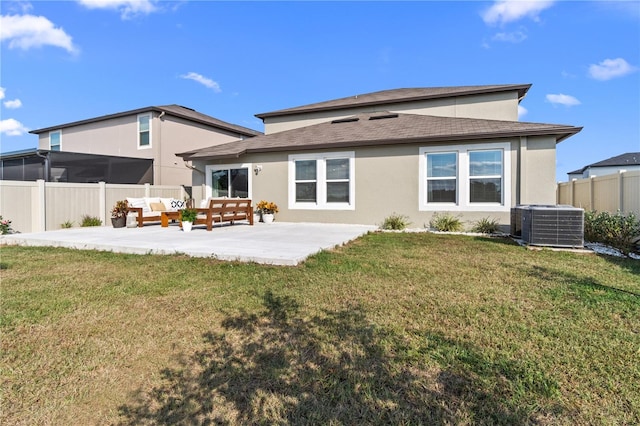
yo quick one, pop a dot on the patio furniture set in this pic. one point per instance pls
(213, 210)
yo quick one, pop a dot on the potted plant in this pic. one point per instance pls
(187, 217)
(267, 209)
(119, 214)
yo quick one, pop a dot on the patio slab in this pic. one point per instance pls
(279, 243)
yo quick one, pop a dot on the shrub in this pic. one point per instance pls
(395, 222)
(188, 215)
(617, 230)
(445, 222)
(486, 226)
(66, 225)
(90, 221)
(5, 226)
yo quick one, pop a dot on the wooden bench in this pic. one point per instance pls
(224, 210)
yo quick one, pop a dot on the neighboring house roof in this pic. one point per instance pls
(399, 96)
(382, 128)
(628, 159)
(175, 110)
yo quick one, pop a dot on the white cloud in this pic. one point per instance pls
(12, 127)
(14, 104)
(522, 111)
(515, 37)
(127, 8)
(27, 31)
(207, 82)
(610, 68)
(2, 90)
(561, 99)
(505, 11)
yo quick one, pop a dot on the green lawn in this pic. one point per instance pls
(394, 328)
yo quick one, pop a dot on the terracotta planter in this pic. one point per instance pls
(119, 222)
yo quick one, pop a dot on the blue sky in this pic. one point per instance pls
(72, 60)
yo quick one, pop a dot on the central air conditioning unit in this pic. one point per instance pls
(554, 226)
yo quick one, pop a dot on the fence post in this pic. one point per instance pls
(39, 202)
(591, 195)
(102, 199)
(621, 190)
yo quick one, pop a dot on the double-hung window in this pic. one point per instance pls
(322, 181)
(465, 177)
(485, 176)
(55, 140)
(144, 131)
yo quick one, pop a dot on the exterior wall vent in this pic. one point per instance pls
(554, 226)
(345, 120)
(383, 116)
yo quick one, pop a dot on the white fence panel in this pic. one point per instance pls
(40, 206)
(608, 193)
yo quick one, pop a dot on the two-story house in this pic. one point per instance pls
(414, 152)
(155, 133)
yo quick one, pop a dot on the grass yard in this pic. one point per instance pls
(394, 328)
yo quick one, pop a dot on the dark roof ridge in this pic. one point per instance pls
(173, 109)
(401, 95)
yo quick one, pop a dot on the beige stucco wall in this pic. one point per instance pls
(119, 136)
(387, 181)
(495, 106)
(537, 172)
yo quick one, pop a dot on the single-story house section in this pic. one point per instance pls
(412, 152)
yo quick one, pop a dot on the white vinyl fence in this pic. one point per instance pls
(610, 193)
(44, 206)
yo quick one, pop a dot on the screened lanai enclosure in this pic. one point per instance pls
(56, 166)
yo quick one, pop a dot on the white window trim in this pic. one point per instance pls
(150, 131)
(321, 182)
(463, 178)
(213, 168)
(55, 131)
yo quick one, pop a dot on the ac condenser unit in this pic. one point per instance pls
(555, 226)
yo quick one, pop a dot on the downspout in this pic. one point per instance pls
(47, 165)
(159, 149)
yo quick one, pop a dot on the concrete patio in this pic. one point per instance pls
(275, 244)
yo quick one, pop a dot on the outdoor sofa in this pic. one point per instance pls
(149, 209)
(224, 210)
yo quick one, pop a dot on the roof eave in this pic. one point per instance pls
(522, 91)
(140, 111)
(560, 134)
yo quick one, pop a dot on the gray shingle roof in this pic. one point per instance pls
(627, 159)
(398, 96)
(175, 110)
(372, 129)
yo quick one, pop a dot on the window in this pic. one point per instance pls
(465, 177)
(322, 181)
(485, 176)
(232, 181)
(55, 140)
(144, 131)
(442, 177)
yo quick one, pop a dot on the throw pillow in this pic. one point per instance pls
(139, 203)
(157, 207)
(177, 204)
